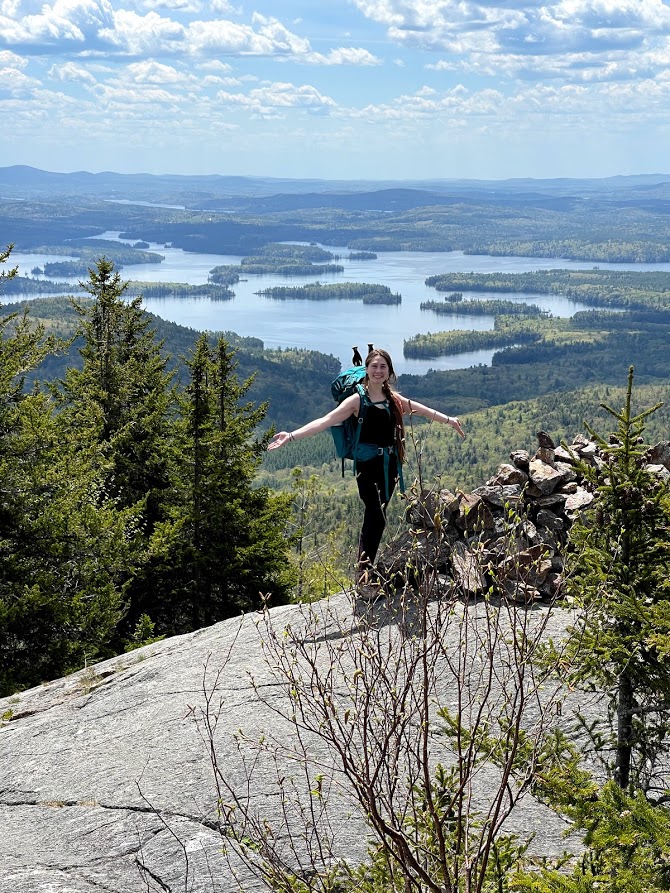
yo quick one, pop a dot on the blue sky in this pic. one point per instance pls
(372, 89)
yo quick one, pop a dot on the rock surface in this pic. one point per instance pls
(105, 770)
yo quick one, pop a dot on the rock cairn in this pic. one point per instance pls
(510, 533)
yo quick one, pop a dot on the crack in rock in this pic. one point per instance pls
(210, 824)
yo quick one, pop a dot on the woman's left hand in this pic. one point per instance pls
(456, 425)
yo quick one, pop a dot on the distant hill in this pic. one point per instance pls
(205, 191)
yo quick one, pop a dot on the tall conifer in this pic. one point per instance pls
(620, 576)
(121, 400)
(61, 550)
(224, 548)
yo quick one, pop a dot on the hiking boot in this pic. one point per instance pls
(369, 592)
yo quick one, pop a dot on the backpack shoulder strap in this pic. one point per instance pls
(365, 402)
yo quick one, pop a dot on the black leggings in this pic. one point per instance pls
(372, 490)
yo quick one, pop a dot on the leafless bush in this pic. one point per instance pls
(404, 735)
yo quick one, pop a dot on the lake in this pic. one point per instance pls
(333, 327)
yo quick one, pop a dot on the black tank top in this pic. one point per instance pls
(378, 425)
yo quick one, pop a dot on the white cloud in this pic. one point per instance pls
(279, 35)
(70, 71)
(343, 56)
(221, 36)
(129, 96)
(64, 22)
(144, 35)
(150, 72)
(224, 6)
(537, 108)
(216, 65)
(213, 80)
(184, 6)
(12, 60)
(10, 8)
(15, 83)
(278, 96)
(228, 38)
(519, 34)
(95, 27)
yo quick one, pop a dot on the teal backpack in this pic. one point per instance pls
(347, 434)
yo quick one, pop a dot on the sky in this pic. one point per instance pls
(337, 89)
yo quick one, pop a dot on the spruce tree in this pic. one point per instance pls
(124, 391)
(124, 379)
(224, 549)
(620, 578)
(60, 552)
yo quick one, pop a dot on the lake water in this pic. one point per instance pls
(333, 327)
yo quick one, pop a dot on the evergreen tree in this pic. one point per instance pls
(124, 377)
(224, 548)
(620, 577)
(60, 553)
(125, 392)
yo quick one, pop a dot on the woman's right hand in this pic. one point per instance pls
(280, 438)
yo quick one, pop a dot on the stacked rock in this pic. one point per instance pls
(509, 535)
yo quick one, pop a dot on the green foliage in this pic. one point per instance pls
(321, 569)
(126, 515)
(144, 634)
(454, 305)
(626, 848)
(334, 291)
(123, 385)
(222, 548)
(7, 275)
(433, 849)
(62, 554)
(626, 289)
(620, 577)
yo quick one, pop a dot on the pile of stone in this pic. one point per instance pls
(509, 535)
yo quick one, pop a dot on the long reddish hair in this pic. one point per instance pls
(394, 402)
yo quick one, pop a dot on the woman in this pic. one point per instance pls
(383, 428)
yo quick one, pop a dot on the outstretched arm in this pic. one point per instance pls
(347, 407)
(412, 407)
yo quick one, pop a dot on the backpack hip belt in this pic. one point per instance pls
(366, 451)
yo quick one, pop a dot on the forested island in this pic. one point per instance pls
(211, 290)
(453, 343)
(492, 307)
(87, 251)
(279, 260)
(336, 291)
(627, 289)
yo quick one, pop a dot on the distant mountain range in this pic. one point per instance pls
(267, 194)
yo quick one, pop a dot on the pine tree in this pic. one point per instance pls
(620, 576)
(124, 379)
(122, 400)
(60, 553)
(224, 548)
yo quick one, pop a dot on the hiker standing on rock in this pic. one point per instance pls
(380, 449)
